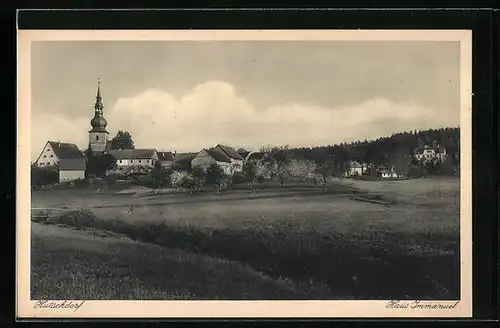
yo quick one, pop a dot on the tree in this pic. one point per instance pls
(122, 140)
(100, 164)
(199, 175)
(43, 176)
(215, 176)
(326, 167)
(301, 169)
(278, 158)
(159, 176)
(401, 160)
(249, 171)
(190, 183)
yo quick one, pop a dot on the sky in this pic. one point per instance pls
(185, 96)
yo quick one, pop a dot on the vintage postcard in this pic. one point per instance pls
(244, 173)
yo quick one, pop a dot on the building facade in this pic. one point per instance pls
(235, 158)
(430, 153)
(134, 160)
(207, 157)
(71, 169)
(55, 151)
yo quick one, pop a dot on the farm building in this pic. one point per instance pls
(354, 168)
(207, 157)
(134, 159)
(235, 158)
(53, 152)
(182, 161)
(71, 169)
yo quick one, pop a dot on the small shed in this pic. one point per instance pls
(71, 169)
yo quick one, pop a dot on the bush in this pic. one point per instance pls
(176, 178)
(41, 176)
(238, 178)
(260, 178)
(111, 179)
(81, 183)
(188, 182)
(416, 172)
(79, 218)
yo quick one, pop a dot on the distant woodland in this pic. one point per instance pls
(397, 149)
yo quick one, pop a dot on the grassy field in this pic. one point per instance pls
(274, 243)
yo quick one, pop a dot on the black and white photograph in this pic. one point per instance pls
(231, 166)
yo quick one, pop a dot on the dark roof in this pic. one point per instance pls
(72, 164)
(65, 150)
(184, 156)
(218, 155)
(183, 160)
(229, 151)
(256, 156)
(244, 154)
(165, 156)
(131, 153)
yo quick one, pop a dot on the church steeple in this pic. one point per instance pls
(98, 136)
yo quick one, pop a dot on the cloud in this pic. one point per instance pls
(214, 112)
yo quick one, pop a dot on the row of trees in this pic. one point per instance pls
(193, 180)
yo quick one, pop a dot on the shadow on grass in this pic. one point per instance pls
(376, 265)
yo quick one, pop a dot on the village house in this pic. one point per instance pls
(207, 157)
(182, 161)
(134, 159)
(71, 169)
(235, 158)
(430, 153)
(354, 168)
(165, 159)
(54, 151)
(387, 174)
(255, 157)
(244, 154)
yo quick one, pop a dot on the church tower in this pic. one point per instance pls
(98, 136)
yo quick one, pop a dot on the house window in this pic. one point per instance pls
(119, 161)
(97, 138)
(139, 161)
(44, 156)
(51, 155)
(48, 149)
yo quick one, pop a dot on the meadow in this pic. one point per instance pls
(293, 242)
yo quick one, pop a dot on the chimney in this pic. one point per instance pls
(59, 143)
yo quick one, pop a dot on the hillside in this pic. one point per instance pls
(101, 265)
(382, 150)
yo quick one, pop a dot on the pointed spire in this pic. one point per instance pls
(98, 89)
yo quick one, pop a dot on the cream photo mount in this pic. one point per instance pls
(28, 309)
